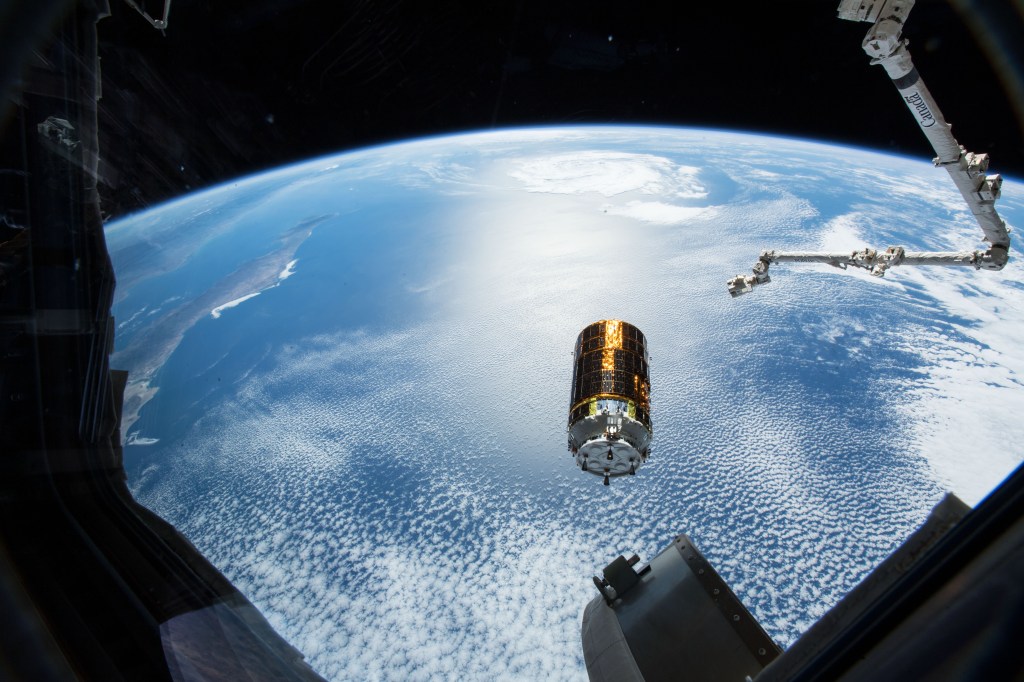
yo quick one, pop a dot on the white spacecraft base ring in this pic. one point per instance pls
(612, 444)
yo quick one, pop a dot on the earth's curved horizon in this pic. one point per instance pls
(350, 378)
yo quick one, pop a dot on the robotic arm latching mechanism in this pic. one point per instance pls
(885, 45)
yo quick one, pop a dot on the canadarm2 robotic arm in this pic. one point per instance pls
(885, 45)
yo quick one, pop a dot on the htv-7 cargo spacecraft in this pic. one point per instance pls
(610, 410)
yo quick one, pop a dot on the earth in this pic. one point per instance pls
(350, 381)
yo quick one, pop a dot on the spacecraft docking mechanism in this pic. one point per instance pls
(925, 612)
(886, 46)
(610, 410)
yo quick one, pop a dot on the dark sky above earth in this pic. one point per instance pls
(233, 87)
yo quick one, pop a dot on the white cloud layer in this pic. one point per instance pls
(394, 494)
(656, 212)
(216, 312)
(608, 173)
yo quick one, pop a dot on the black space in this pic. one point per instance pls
(233, 87)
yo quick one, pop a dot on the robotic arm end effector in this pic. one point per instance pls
(744, 284)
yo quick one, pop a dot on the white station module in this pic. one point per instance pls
(610, 411)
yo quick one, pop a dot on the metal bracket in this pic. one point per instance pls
(159, 24)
